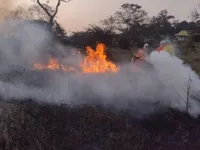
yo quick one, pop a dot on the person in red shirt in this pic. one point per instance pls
(162, 46)
(141, 53)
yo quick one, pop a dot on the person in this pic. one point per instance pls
(166, 47)
(141, 53)
(163, 43)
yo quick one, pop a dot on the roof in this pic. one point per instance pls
(188, 33)
(184, 33)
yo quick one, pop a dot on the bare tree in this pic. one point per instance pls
(195, 14)
(51, 14)
(32, 12)
(188, 94)
(188, 91)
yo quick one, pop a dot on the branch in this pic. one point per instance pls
(58, 4)
(51, 16)
(188, 93)
(38, 1)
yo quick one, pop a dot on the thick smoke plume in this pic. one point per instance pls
(139, 91)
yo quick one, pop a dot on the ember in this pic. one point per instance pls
(94, 62)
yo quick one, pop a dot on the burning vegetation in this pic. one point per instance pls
(53, 64)
(95, 61)
(129, 111)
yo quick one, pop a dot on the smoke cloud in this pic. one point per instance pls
(140, 91)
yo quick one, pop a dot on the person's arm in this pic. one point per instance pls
(160, 48)
(132, 59)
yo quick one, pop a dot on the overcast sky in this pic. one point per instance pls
(77, 14)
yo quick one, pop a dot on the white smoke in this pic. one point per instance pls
(179, 79)
(139, 92)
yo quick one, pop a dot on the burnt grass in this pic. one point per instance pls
(27, 125)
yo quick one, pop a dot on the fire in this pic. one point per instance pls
(53, 64)
(93, 62)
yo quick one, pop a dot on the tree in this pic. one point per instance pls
(100, 34)
(163, 17)
(128, 16)
(195, 14)
(129, 21)
(60, 33)
(36, 14)
(33, 12)
(162, 23)
(49, 11)
(184, 25)
(93, 34)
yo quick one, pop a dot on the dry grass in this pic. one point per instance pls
(193, 59)
(28, 125)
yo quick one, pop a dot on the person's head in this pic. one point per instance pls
(163, 42)
(146, 46)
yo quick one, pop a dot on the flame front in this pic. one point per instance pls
(94, 62)
(53, 64)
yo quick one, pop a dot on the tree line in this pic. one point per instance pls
(130, 26)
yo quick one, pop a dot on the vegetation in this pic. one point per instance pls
(28, 125)
(128, 28)
(131, 26)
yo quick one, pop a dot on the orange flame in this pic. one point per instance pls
(53, 64)
(94, 62)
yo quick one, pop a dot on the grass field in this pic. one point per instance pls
(193, 59)
(28, 125)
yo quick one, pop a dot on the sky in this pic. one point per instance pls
(78, 14)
